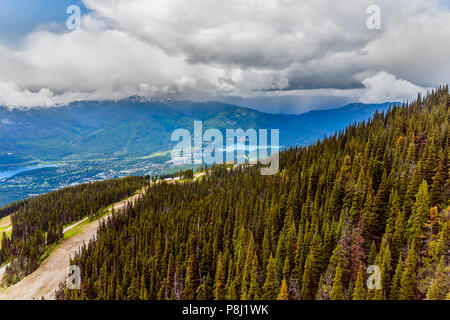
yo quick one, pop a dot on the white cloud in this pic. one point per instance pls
(415, 48)
(11, 95)
(315, 43)
(95, 63)
(384, 87)
(207, 48)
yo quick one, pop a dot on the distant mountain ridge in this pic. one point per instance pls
(137, 127)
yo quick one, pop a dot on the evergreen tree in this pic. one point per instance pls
(394, 293)
(219, 283)
(337, 292)
(312, 268)
(440, 181)
(440, 285)
(360, 291)
(271, 285)
(284, 291)
(254, 291)
(420, 214)
(408, 282)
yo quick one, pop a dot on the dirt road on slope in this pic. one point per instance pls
(201, 174)
(46, 279)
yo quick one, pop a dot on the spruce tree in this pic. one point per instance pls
(283, 291)
(219, 282)
(312, 269)
(271, 286)
(408, 281)
(420, 214)
(359, 292)
(440, 180)
(254, 290)
(337, 292)
(394, 293)
(440, 285)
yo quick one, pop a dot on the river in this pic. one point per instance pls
(11, 173)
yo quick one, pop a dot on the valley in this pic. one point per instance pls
(46, 178)
(90, 141)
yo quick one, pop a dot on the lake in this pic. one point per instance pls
(11, 173)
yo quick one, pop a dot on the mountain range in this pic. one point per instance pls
(43, 149)
(135, 127)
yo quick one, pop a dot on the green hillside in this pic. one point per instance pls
(38, 223)
(90, 141)
(132, 128)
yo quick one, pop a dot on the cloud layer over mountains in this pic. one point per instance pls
(202, 49)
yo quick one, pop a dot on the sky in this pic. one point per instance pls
(286, 56)
(21, 17)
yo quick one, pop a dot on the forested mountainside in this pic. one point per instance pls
(38, 222)
(133, 128)
(376, 194)
(90, 140)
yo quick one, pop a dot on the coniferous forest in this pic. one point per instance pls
(372, 197)
(38, 222)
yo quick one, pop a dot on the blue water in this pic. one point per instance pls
(11, 173)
